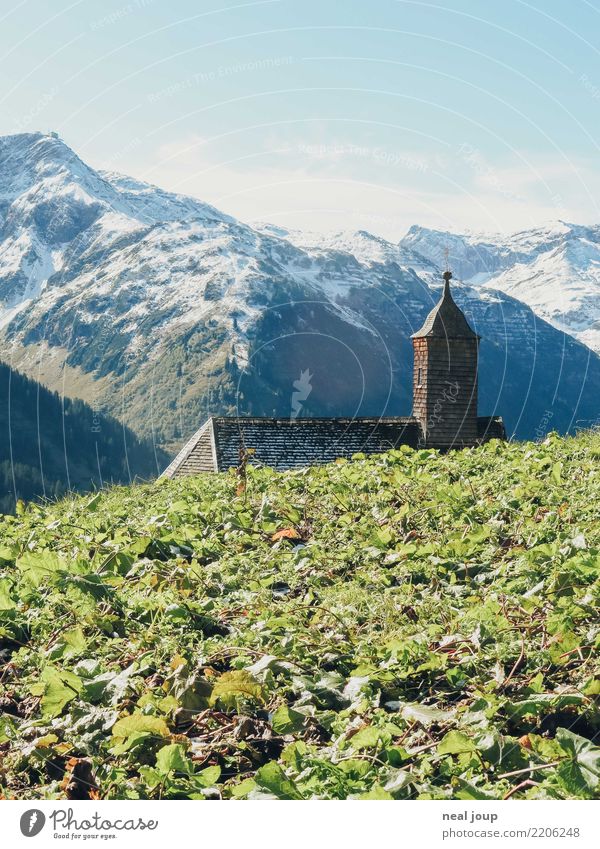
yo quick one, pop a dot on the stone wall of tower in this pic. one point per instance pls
(445, 404)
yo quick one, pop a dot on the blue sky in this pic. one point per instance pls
(320, 114)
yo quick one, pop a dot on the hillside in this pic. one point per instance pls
(404, 626)
(51, 445)
(113, 289)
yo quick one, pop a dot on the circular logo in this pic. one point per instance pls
(32, 822)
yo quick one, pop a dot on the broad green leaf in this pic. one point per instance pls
(582, 771)
(191, 691)
(207, 777)
(241, 790)
(425, 714)
(93, 503)
(366, 738)
(286, 720)
(172, 759)
(376, 793)
(7, 553)
(455, 742)
(60, 688)
(541, 703)
(6, 600)
(273, 778)
(592, 687)
(109, 687)
(70, 644)
(467, 790)
(40, 567)
(151, 776)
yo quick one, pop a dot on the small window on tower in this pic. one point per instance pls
(419, 376)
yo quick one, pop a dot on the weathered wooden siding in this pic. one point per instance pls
(446, 402)
(420, 348)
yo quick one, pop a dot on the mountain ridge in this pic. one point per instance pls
(167, 310)
(555, 270)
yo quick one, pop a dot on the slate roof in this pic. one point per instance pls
(197, 455)
(294, 443)
(289, 443)
(446, 319)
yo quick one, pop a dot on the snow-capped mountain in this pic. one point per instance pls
(555, 270)
(160, 309)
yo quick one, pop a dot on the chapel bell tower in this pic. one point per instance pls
(446, 352)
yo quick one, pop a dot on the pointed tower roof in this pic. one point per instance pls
(446, 319)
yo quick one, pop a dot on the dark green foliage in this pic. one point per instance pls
(50, 445)
(409, 625)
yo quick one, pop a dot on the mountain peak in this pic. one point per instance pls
(28, 158)
(136, 287)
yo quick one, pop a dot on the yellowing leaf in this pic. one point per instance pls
(232, 686)
(138, 723)
(46, 740)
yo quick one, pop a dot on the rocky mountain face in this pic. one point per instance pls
(555, 270)
(160, 309)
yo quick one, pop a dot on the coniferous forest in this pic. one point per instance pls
(50, 445)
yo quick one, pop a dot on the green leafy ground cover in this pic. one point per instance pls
(403, 626)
